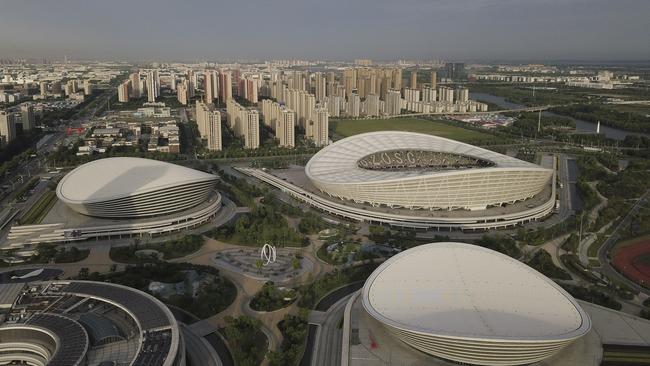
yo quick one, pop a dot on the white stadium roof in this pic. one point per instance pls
(472, 305)
(133, 187)
(110, 178)
(338, 162)
(462, 290)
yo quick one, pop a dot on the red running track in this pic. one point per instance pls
(627, 262)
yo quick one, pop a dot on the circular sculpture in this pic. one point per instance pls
(268, 254)
(418, 171)
(472, 305)
(133, 187)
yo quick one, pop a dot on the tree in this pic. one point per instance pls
(259, 264)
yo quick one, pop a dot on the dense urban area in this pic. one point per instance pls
(256, 205)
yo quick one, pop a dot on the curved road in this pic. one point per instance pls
(608, 245)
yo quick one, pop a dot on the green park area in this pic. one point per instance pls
(348, 127)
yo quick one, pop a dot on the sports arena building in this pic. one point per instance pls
(69, 323)
(418, 171)
(133, 187)
(124, 197)
(418, 181)
(471, 305)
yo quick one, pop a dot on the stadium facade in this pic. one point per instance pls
(133, 187)
(419, 171)
(68, 323)
(472, 305)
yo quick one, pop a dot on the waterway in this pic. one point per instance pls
(581, 126)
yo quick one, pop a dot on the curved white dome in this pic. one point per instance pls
(470, 304)
(133, 187)
(494, 179)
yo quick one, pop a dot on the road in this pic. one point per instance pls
(327, 344)
(608, 245)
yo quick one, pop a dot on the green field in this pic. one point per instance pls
(349, 127)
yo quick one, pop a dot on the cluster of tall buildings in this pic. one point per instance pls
(208, 120)
(11, 121)
(281, 120)
(134, 87)
(244, 122)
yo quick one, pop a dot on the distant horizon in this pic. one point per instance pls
(541, 30)
(596, 62)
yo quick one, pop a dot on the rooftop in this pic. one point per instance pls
(462, 290)
(111, 178)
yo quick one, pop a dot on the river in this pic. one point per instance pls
(581, 126)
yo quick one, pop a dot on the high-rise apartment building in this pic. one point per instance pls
(320, 87)
(183, 93)
(225, 83)
(88, 87)
(244, 122)
(123, 92)
(414, 79)
(434, 79)
(43, 88)
(136, 91)
(455, 70)
(354, 105)
(153, 85)
(7, 126)
(209, 92)
(372, 105)
(429, 94)
(285, 127)
(412, 95)
(27, 116)
(209, 123)
(393, 102)
(317, 128)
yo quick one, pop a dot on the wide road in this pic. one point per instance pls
(608, 245)
(327, 345)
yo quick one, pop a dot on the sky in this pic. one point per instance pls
(213, 30)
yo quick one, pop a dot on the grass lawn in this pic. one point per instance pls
(39, 210)
(349, 127)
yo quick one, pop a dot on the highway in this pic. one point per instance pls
(327, 343)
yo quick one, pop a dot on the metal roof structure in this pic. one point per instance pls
(470, 304)
(133, 187)
(414, 170)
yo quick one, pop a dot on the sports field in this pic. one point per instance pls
(632, 259)
(349, 127)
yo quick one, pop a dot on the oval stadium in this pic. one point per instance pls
(418, 171)
(472, 305)
(133, 187)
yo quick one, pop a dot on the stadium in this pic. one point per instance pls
(472, 305)
(417, 171)
(133, 187)
(126, 197)
(87, 323)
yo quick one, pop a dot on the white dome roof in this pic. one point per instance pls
(464, 290)
(111, 178)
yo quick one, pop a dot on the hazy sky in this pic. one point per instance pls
(327, 29)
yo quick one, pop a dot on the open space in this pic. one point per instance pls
(633, 262)
(349, 127)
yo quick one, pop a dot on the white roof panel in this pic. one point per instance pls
(462, 290)
(111, 178)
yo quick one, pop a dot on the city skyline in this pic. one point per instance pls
(381, 30)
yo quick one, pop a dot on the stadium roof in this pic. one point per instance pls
(112, 178)
(338, 162)
(465, 291)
